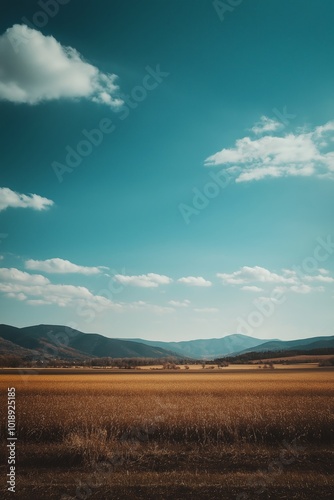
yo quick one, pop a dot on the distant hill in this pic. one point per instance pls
(57, 341)
(8, 348)
(207, 348)
(314, 343)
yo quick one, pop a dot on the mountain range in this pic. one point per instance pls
(56, 341)
(208, 348)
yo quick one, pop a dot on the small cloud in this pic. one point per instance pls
(195, 281)
(265, 300)
(15, 275)
(37, 302)
(17, 296)
(177, 303)
(150, 280)
(302, 288)
(248, 274)
(251, 288)
(300, 154)
(60, 266)
(9, 198)
(21, 285)
(266, 125)
(286, 280)
(36, 68)
(140, 305)
(320, 277)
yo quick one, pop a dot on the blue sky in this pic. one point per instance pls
(167, 167)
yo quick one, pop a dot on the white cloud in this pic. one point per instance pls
(255, 274)
(266, 125)
(266, 300)
(15, 275)
(140, 305)
(21, 285)
(195, 281)
(252, 288)
(9, 198)
(17, 296)
(150, 280)
(301, 288)
(320, 278)
(286, 280)
(60, 266)
(37, 302)
(300, 154)
(177, 303)
(36, 68)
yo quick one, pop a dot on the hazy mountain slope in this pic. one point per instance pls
(207, 348)
(286, 345)
(58, 341)
(8, 348)
(63, 342)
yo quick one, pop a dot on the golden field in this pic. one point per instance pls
(248, 434)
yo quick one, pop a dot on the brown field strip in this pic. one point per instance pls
(173, 435)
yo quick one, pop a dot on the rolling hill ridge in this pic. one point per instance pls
(57, 341)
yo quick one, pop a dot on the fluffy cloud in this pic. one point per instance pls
(15, 275)
(36, 68)
(301, 288)
(38, 290)
(150, 280)
(9, 198)
(300, 154)
(60, 266)
(286, 280)
(266, 125)
(140, 305)
(195, 281)
(258, 274)
(178, 303)
(252, 288)
(320, 278)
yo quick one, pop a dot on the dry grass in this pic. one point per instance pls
(193, 430)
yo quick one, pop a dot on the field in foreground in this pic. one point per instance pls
(220, 435)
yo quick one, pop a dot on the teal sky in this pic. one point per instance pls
(205, 206)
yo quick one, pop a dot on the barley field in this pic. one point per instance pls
(233, 435)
